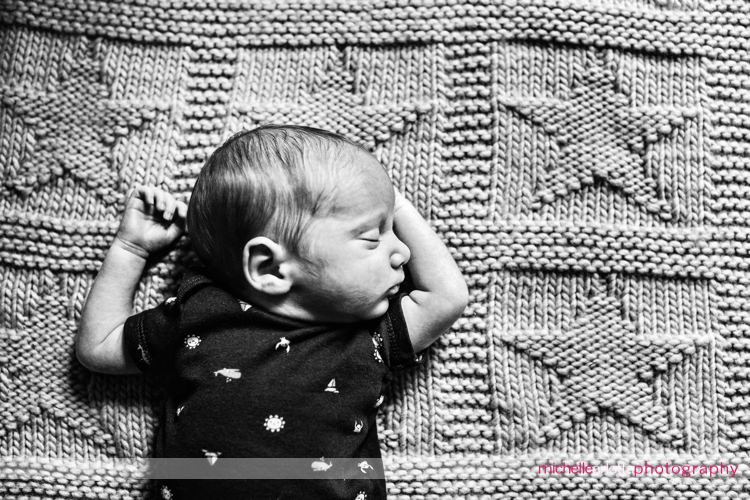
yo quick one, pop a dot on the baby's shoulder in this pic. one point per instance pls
(198, 296)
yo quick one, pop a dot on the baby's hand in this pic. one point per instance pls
(153, 220)
(400, 200)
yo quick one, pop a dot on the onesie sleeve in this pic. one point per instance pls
(399, 353)
(151, 337)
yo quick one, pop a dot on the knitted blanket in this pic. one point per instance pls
(586, 161)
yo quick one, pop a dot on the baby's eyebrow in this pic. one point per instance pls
(364, 227)
(368, 224)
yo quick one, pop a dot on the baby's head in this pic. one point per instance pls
(299, 221)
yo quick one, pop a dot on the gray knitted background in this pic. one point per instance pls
(587, 162)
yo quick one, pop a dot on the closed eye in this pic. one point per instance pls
(371, 236)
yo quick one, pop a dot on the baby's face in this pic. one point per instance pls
(358, 258)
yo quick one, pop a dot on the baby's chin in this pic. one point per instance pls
(366, 314)
(378, 310)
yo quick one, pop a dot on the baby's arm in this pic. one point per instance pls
(151, 222)
(440, 294)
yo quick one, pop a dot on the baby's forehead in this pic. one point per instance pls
(367, 195)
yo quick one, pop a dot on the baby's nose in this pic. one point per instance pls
(400, 255)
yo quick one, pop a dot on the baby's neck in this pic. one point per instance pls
(285, 305)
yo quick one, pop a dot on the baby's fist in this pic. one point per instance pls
(153, 220)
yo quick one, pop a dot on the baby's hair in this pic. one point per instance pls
(270, 181)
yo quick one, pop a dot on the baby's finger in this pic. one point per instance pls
(160, 199)
(169, 208)
(182, 209)
(146, 193)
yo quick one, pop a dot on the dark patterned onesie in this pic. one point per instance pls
(242, 382)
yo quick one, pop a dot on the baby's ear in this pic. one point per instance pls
(262, 262)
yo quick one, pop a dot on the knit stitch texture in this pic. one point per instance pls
(586, 161)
